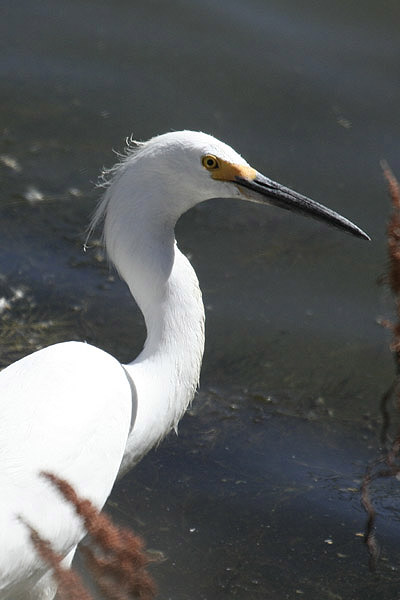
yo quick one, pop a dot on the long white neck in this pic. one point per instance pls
(165, 375)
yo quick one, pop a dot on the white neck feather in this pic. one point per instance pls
(166, 373)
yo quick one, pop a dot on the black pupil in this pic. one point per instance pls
(210, 162)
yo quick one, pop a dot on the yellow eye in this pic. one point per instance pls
(210, 162)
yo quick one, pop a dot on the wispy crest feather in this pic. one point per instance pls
(106, 178)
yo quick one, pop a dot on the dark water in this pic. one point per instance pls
(258, 495)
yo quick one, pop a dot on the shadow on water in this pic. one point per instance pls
(258, 496)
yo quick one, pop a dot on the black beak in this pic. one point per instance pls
(278, 195)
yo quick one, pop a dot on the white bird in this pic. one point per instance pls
(74, 410)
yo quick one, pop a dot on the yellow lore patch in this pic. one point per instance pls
(226, 171)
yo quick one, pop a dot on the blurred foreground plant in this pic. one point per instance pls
(388, 465)
(115, 557)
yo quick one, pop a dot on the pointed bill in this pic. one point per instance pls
(276, 194)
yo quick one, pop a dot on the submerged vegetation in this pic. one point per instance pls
(24, 327)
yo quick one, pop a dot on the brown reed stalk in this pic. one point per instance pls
(116, 556)
(388, 464)
(393, 241)
(70, 586)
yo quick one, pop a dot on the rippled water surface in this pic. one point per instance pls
(258, 496)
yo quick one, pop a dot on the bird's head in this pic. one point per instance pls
(173, 172)
(191, 167)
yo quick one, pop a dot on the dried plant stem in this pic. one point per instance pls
(387, 465)
(115, 557)
(122, 562)
(70, 586)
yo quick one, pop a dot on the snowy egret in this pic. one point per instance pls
(74, 410)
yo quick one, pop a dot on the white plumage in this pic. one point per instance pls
(73, 409)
